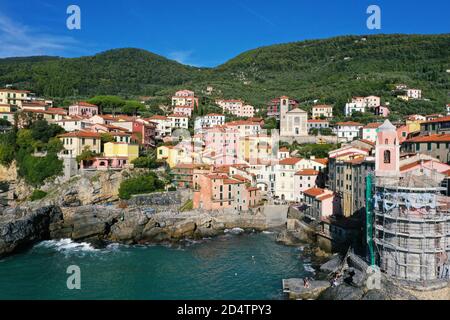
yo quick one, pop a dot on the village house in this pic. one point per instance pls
(436, 126)
(434, 145)
(208, 121)
(163, 125)
(381, 111)
(318, 124)
(236, 107)
(184, 98)
(219, 191)
(320, 203)
(347, 130)
(351, 107)
(143, 131)
(303, 180)
(369, 131)
(184, 110)
(51, 115)
(83, 109)
(77, 141)
(285, 171)
(183, 174)
(74, 124)
(179, 121)
(414, 93)
(14, 97)
(322, 111)
(121, 150)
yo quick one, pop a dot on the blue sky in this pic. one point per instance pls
(200, 32)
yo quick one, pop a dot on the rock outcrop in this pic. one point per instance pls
(19, 228)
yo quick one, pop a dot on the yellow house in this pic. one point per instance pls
(5, 108)
(172, 155)
(413, 125)
(120, 149)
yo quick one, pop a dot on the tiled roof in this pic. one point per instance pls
(85, 104)
(157, 117)
(317, 120)
(367, 141)
(372, 125)
(314, 192)
(349, 123)
(289, 161)
(444, 137)
(441, 119)
(322, 106)
(80, 134)
(323, 161)
(177, 115)
(307, 172)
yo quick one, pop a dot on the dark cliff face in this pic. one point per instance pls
(18, 229)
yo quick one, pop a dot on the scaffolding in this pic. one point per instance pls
(411, 229)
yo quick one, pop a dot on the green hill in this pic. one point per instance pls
(331, 70)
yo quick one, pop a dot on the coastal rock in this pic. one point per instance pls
(296, 290)
(19, 229)
(130, 228)
(342, 292)
(183, 229)
(332, 265)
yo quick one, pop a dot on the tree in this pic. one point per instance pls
(133, 107)
(55, 145)
(140, 185)
(86, 155)
(42, 131)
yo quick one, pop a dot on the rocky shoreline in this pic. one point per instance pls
(22, 227)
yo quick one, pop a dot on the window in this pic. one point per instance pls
(387, 156)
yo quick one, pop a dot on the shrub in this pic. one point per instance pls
(172, 189)
(139, 185)
(36, 169)
(38, 195)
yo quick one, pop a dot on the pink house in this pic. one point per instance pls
(402, 133)
(184, 110)
(104, 163)
(223, 142)
(321, 203)
(382, 111)
(83, 109)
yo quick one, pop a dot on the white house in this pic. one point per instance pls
(351, 107)
(293, 123)
(414, 93)
(347, 130)
(285, 171)
(163, 125)
(74, 124)
(208, 121)
(178, 121)
(322, 110)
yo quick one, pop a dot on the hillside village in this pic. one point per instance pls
(240, 158)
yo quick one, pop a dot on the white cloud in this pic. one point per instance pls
(17, 40)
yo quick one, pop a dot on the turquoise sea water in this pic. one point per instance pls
(249, 266)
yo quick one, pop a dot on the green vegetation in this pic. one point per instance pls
(316, 150)
(86, 155)
(148, 162)
(21, 145)
(38, 195)
(331, 70)
(140, 185)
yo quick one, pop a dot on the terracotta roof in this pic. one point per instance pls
(84, 104)
(231, 181)
(357, 160)
(214, 115)
(241, 123)
(240, 178)
(325, 196)
(445, 137)
(217, 176)
(13, 90)
(409, 165)
(322, 106)
(177, 115)
(157, 117)
(367, 141)
(323, 161)
(441, 119)
(289, 161)
(372, 125)
(314, 192)
(284, 149)
(307, 172)
(81, 134)
(317, 120)
(349, 123)
(252, 189)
